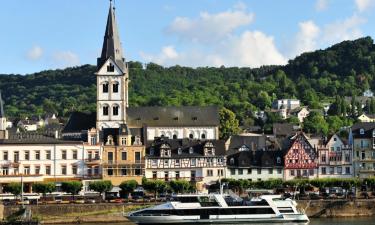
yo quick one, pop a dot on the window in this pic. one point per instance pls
(26, 170)
(210, 173)
(75, 154)
(110, 156)
(137, 156)
(105, 110)
(93, 140)
(259, 171)
(324, 158)
(115, 110)
(16, 156)
(338, 149)
(240, 171)
(324, 170)
(203, 136)
(154, 162)
(110, 171)
(220, 173)
(331, 170)
(5, 155)
(339, 170)
(363, 155)
(115, 88)
(63, 154)
(270, 171)
(361, 131)
(177, 162)
(347, 170)
(27, 155)
(37, 170)
(37, 155)
(279, 171)
(305, 173)
(177, 175)
(48, 170)
(249, 171)
(166, 162)
(138, 171)
(292, 173)
(191, 136)
(193, 162)
(105, 88)
(311, 172)
(232, 171)
(123, 141)
(278, 160)
(110, 68)
(74, 170)
(174, 136)
(332, 148)
(179, 151)
(191, 150)
(123, 155)
(231, 161)
(154, 175)
(347, 158)
(63, 170)
(166, 175)
(124, 171)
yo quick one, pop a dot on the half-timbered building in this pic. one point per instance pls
(300, 159)
(192, 160)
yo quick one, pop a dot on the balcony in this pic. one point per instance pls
(92, 176)
(94, 161)
(367, 170)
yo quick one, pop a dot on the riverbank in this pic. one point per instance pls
(113, 213)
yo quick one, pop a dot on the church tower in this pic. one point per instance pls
(112, 79)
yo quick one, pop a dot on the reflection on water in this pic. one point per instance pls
(334, 221)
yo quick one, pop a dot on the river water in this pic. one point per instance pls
(335, 221)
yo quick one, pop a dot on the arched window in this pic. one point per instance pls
(115, 87)
(110, 68)
(203, 136)
(191, 136)
(231, 161)
(105, 87)
(175, 136)
(179, 151)
(191, 150)
(105, 110)
(115, 110)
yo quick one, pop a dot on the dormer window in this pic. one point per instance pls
(209, 149)
(243, 148)
(362, 131)
(137, 140)
(232, 161)
(123, 141)
(194, 118)
(179, 151)
(105, 87)
(115, 88)
(110, 68)
(278, 160)
(152, 151)
(109, 140)
(165, 151)
(191, 150)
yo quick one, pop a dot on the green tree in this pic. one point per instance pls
(128, 187)
(179, 186)
(334, 124)
(13, 188)
(315, 123)
(44, 188)
(101, 186)
(228, 123)
(72, 187)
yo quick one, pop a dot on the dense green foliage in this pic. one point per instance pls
(345, 69)
(13, 188)
(128, 186)
(72, 187)
(101, 186)
(44, 187)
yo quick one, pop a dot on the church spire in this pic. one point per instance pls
(111, 44)
(2, 114)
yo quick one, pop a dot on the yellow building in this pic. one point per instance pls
(123, 156)
(366, 118)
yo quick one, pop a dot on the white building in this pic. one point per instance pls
(288, 104)
(335, 159)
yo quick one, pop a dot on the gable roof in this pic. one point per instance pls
(173, 116)
(79, 121)
(367, 128)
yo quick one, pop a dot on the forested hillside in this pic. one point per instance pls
(345, 69)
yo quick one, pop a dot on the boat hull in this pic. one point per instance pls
(290, 218)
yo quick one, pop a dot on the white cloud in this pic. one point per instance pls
(65, 59)
(321, 5)
(208, 27)
(35, 53)
(363, 5)
(305, 39)
(240, 6)
(347, 29)
(252, 49)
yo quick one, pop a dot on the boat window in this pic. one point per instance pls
(186, 199)
(205, 211)
(206, 201)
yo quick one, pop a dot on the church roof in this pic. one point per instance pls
(111, 44)
(79, 121)
(173, 116)
(2, 114)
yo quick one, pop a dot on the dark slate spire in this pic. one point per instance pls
(112, 45)
(2, 114)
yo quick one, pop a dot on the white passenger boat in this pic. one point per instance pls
(220, 208)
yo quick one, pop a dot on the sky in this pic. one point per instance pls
(43, 34)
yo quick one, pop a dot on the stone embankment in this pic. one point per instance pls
(96, 213)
